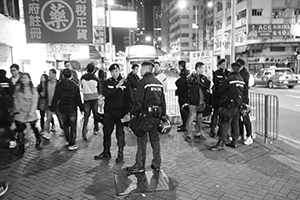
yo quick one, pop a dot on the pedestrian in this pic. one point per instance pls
(198, 86)
(67, 98)
(25, 105)
(218, 76)
(182, 93)
(133, 78)
(118, 102)
(150, 103)
(16, 74)
(5, 93)
(245, 118)
(160, 75)
(91, 90)
(74, 77)
(229, 111)
(42, 103)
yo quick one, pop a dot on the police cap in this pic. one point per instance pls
(113, 67)
(221, 61)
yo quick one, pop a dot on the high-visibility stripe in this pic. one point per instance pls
(111, 87)
(153, 85)
(220, 76)
(240, 82)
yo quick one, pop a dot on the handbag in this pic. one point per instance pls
(140, 125)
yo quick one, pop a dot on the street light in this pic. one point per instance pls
(210, 4)
(148, 39)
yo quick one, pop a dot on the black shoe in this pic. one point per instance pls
(38, 144)
(21, 150)
(104, 155)
(218, 147)
(188, 138)
(182, 129)
(135, 169)
(213, 133)
(157, 169)
(180, 126)
(200, 137)
(232, 145)
(120, 155)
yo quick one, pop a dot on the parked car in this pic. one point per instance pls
(274, 76)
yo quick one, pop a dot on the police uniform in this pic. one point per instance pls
(232, 97)
(150, 102)
(218, 76)
(117, 103)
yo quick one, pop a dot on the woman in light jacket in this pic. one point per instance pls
(26, 101)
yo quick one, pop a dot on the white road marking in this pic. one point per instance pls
(297, 97)
(297, 105)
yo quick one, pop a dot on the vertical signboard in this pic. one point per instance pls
(203, 56)
(58, 21)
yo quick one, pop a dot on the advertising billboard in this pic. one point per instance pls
(122, 19)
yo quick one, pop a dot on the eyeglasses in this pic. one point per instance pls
(13, 70)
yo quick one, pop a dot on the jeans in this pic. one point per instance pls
(246, 121)
(22, 126)
(69, 126)
(181, 102)
(192, 114)
(110, 120)
(45, 125)
(140, 158)
(88, 107)
(227, 122)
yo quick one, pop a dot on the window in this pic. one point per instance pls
(228, 21)
(194, 7)
(219, 6)
(184, 35)
(242, 14)
(277, 49)
(10, 8)
(218, 25)
(184, 26)
(257, 12)
(297, 10)
(239, 1)
(228, 4)
(256, 50)
(278, 13)
(185, 44)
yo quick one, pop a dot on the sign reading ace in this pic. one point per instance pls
(58, 21)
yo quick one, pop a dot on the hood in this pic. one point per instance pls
(67, 84)
(88, 76)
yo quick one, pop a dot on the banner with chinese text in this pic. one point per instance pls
(202, 56)
(58, 21)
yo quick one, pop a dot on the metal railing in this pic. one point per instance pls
(264, 113)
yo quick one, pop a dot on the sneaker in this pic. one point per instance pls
(72, 148)
(62, 133)
(157, 169)
(45, 136)
(188, 138)
(200, 137)
(248, 140)
(96, 132)
(53, 128)
(12, 144)
(135, 169)
(3, 188)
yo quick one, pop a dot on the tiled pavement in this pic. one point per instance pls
(258, 171)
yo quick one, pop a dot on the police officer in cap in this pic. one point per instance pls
(118, 102)
(150, 102)
(229, 111)
(218, 76)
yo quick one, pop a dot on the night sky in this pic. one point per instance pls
(119, 33)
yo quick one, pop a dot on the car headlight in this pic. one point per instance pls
(281, 78)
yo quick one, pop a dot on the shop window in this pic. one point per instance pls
(257, 12)
(277, 49)
(242, 14)
(278, 13)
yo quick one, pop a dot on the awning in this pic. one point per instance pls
(256, 46)
(241, 49)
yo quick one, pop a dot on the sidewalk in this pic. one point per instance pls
(258, 171)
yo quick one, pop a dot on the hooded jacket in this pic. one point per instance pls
(66, 97)
(91, 87)
(181, 83)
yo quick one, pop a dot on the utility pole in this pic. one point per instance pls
(296, 22)
(232, 50)
(196, 21)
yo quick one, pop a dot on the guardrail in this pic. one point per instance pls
(264, 113)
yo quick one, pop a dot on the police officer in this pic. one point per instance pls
(229, 112)
(118, 102)
(218, 76)
(150, 102)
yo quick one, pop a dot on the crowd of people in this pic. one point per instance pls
(228, 103)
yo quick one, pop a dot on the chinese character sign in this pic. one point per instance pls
(58, 21)
(202, 56)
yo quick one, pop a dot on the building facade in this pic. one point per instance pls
(139, 32)
(157, 27)
(263, 31)
(182, 28)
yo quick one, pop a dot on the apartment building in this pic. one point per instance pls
(182, 27)
(157, 27)
(263, 31)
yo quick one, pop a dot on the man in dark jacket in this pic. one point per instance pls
(218, 76)
(198, 84)
(229, 110)
(91, 90)
(246, 118)
(182, 93)
(150, 103)
(67, 99)
(133, 78)
(74, 76)
(118, 102)
(5, 82)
